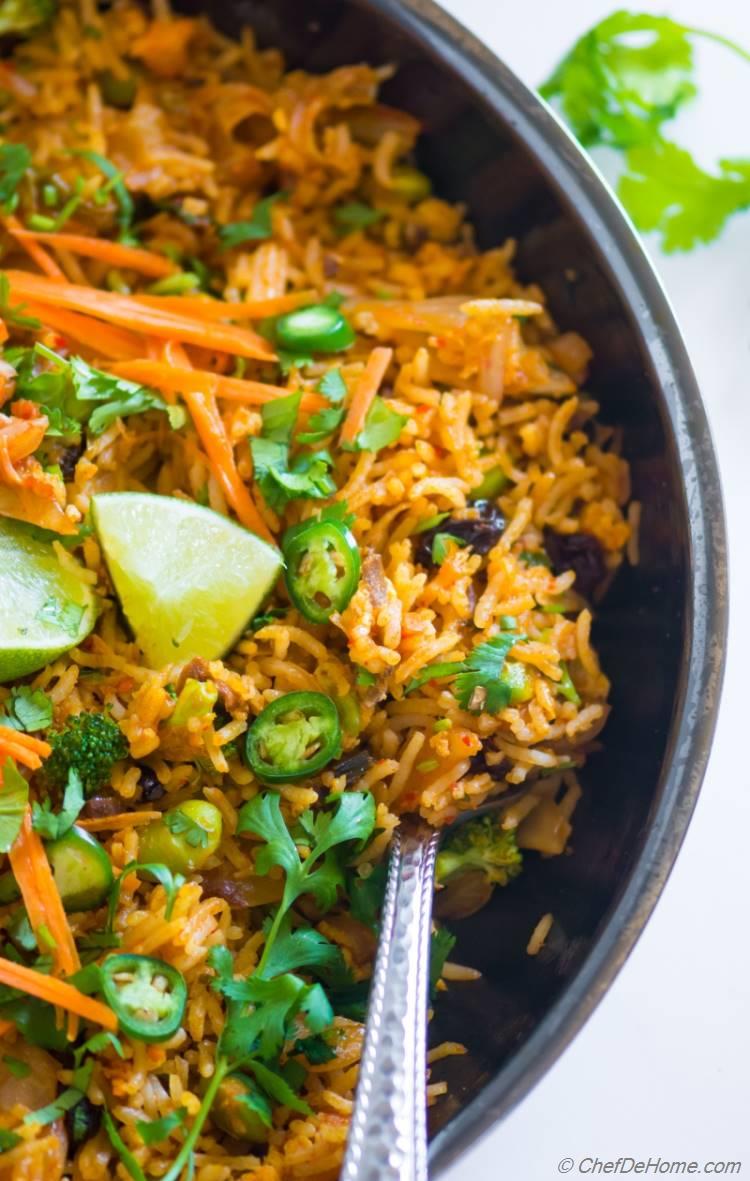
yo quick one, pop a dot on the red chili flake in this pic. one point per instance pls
(422, 408)
(466, 740)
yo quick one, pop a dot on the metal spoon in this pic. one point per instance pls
(388, 1132)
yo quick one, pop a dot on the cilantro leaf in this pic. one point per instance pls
(67, 616)
(289, 360)
(28, 709)
(442, 543)
(304, 948)
(65, 390)
(355, 215)
(14, 797)
(366, 894)
(257, 228)
(441, 945)
(478, 687)
(52, 825)
(180, 824)
(316, 1050)
(666, 190)
(624, 78)
(15, 161)
(332, 386)
(320, 874)
(281, 479)
(169, 881)
(8, 1139)
(279, 417)
(383, 426)
(155, 1130)
(322, 424)
(278, 1088)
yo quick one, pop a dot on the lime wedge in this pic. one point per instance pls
(45, 608)
(188, 579)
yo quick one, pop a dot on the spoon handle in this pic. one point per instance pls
(388, 1133)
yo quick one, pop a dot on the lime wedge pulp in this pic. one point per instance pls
(45, 608)
(188, 579)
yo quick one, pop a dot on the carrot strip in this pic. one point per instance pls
(23, 748)
(203, 307)
(130, 313)
(56, 992)
(105, 340)
(364, 393)
(35, 252)
(208, 423)
(173, 380)
(41, 896)
(115, 253)
(119, 820)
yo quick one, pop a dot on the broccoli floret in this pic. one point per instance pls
(480, 844)
(90, 744)
(22, 16)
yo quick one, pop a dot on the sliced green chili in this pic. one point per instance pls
(295, 736)
(322, 567)
(147, 995)
(318, 327)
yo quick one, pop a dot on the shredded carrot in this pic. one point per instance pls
(203, 307)
(173, 380)
(41, 896)
(208, 423)
(104, 340)
(35, 252)
(120, 819)
(4, 334)
(24, 748)
(133, 258)
(364, 393)
(56, 992)
(130, 313)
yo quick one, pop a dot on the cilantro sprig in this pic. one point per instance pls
(73, 394)
(478, 686)
(275, 1005)
(52, 825)
(27, 709)
(256, 229)
(280, 476)
(621, 82)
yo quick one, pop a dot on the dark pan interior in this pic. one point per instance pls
(471, 156)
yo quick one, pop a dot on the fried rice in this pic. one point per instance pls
(199, 130)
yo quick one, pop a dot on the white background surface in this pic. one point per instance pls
(662, 1069)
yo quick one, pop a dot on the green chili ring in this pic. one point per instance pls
(294, 737)
(322, 568)
(147, 995)
(318, 327)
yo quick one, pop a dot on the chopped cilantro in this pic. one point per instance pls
(441, 945)
(28, 709)
(155, 1130)
(383, 426)
(51, 825)
(619, 84)
(355, 215)
(442, 544)
(180, 824)
(15, 161)
(332, 386)
(66, 616)
(257, 228)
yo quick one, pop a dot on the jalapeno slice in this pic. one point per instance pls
(318, 327)
(322, 567)
(295, 736)
(147, 995)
